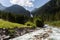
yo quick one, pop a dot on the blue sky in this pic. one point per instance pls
(28, 4)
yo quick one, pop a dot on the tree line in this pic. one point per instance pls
(13, 17)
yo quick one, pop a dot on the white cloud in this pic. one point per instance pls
(27, 3)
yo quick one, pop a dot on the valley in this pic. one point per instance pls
(42, 23)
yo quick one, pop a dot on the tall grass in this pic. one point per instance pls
(54, 23)
(7, 24)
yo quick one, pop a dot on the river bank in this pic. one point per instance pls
(48, 33)
(6, 34)
(53, 23)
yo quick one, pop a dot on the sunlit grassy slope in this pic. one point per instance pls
(7, 24)
(54, 23)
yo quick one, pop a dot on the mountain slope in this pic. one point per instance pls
(2, 7)
(50, 11)
(17, 10)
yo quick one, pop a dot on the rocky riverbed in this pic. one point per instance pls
(6, 34)
(48, 33)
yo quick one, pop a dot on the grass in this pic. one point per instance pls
(30, 24)
(54, 23)
(7, 24)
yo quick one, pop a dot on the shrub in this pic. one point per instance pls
(39, 23)
(30, 24)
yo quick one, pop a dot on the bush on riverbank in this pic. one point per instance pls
(38, 21)
(31, 24)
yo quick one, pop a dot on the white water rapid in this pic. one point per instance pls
(53, 33)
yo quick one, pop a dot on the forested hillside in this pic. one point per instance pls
(49, 12)
(17, 18)
(15, 13)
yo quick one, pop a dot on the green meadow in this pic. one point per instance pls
(7, 24)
